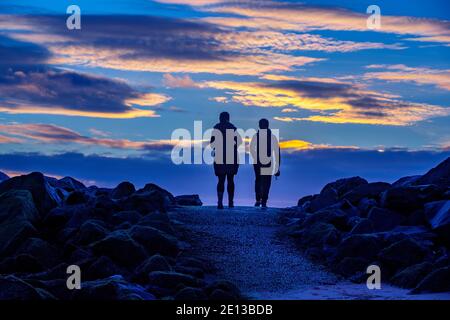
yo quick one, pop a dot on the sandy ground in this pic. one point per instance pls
(242, 244)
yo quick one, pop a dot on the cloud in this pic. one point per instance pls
(29, 85)
(302, 17)
(49, 133)
(402, 73)
(333, 101)
(178, 82)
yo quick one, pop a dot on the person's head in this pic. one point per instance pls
(224, 117)
(264, 124)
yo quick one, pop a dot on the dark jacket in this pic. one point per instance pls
(221, 166)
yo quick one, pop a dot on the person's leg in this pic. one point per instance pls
(220, 190)
(266, 182)
(230, 189)
(257, 185)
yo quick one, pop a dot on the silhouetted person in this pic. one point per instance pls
(265, 152)
(225, 141)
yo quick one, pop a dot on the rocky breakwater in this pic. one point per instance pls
(403, 227)
(121, 239)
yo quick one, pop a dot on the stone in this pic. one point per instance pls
(437, 215)
(91, 231)
(18, 215)
(409, 277)
(170, 279)
(44, 196)
(319, 234)
(190, 294)
(122, 190)
(121, 248)
(131, 217)
(403, 253)
(76, 197)
(154, 240)
(383, 219)
(349, 266)
(436, 281)
(359, 246)
(440, 175)
(370, 190)
(13, 288)
(188, 200)
(41, 250)
(363, 226)
(154, 263)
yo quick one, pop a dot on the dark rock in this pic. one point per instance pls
(3, 176)
(409, 277)
(154, 240)
(336, 217)
(126, 216)
(71, 184)
(19, 264)
(350, 266)
(384, 220)
(225, 286)
(188, 200)
(67, 216)
(406, 181)
(438, 216)
(370, 190)
(439, 175)
(303, 200)
(195, 272)
(121, 248)
(319, 234)
(112, 288)
(417, 218)
(402, 254)
(13, 288)
(190, 294)
(170, 279)
(144, 202)
(327, 197)
(122, 190)
(17, 218)
(154, 263)
(104, 267)
(342, 186)
(91, 231)
(44, 196)
(76, 197)
(42, 251)
(365, 204)
(359, 246)
(157, 220)
(363, 226)
(408, 199)
(436, 281)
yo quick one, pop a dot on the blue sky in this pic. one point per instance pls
(137, 70)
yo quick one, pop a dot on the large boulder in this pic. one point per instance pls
(91, 231)
(363, 226)
(406, 181)
(76, 197)
(438, 216)
(171, 280)
(342, 186)
(131, 217)
(18, 215)
(349, 266)
(121, 248)
(188, 200)
(408, 199)
(112, 288)
(122, 190)
(402, 254)
(359, 246)
(169, 199)
(383, 219)
(436, 281)
(3, 176)
(409, 277)
(154, 263)
(41, 250)
(439, 175)
(154, 240)
(103, 267)
(13, 288)
(369, 190)
(320, 234)
(68, 184)
(45, 196)
(327, 197)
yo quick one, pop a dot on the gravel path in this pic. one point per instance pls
(242, 244)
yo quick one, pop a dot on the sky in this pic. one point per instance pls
(101, 103)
